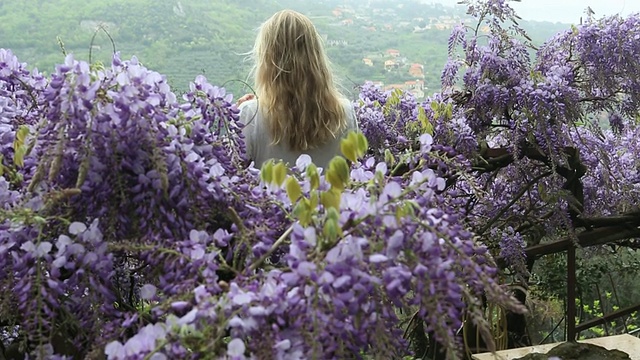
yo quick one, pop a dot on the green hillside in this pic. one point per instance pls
(182, 39)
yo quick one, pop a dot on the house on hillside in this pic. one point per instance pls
(367, 62)
(415, 87)
(446, 22)
(442, 26)
(347, 22)
(402, 61)
(390, 65)
(394, 86)
(337, 43)
(414, 84)
(393, 52)
(416, 70)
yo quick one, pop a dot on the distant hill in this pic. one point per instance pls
(182, 39)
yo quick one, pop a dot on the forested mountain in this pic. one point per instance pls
(182, 39)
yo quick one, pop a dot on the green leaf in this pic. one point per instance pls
(338, 172)
(304, 212)
(20, 145)
(333, 213)
(394, 99)
(542, 191)
(37, 177)
(266, 172)
(294, 191)
(330, 231)
(314, 177)
(389, 158)
(18, 155)
(56, 165)
(434, 106)
(21, 134)
(331, 199)
(96, 66)
(574, 29)
(279, 173)
(83, 171)
(406, 209)
(354, 146)
(362, 144)
(164, 181)
(334, 180)
(342, 168)
(449, 111)
(427, 128)
(314, 199)
(348, 148)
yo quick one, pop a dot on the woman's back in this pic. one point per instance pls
(261, 147)
(299, 108)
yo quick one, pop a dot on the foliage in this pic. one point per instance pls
(133, 218)
(543, 121)
(595, 310)
(183, 39)
(538, 121)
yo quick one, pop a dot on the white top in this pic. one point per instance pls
(259, 141)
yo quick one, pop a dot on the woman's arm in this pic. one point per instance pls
(248, 117)
(352, 120)
(245, 98)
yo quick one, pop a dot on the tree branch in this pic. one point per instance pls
(522, 191)
(273, 248)
(598, 236)
(596, 222)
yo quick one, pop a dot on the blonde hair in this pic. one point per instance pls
(294, 84)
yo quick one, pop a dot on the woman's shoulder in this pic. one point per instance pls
(349, 111)
(248, 105)
(248, 111)
(346, 103)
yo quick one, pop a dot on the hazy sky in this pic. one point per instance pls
(567, 11)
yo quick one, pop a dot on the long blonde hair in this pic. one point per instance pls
(294, 84)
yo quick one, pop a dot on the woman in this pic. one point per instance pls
(298, 109)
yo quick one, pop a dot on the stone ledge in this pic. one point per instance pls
(625, 343)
